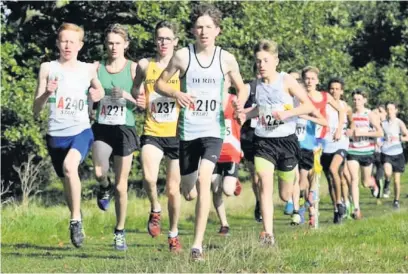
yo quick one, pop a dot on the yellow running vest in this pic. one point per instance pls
(161, 112)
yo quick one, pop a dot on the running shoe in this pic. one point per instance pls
(238, 188)
(76, 233)
(224, 231)
(357, 214)
(396, 204)
(375, 190)
(342, 210)
(197, 255)
(288, 208)
(153, 226)
(387, 192)
(337, 218)
(296, 219)
(174, 244)
(119, 241)
(266, 239)
(103, 197)
(302, 211)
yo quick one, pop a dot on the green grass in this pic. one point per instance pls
(37, 240)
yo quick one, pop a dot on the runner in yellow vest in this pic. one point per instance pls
(159, 133)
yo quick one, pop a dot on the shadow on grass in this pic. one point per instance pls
(62, 256)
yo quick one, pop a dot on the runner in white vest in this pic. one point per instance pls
(206, 72)
(392, 154)
(67, 84)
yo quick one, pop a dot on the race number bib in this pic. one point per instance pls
(228, 131)
(301, 129)
(112, 111)
(254, 121)
(162, 109)
(361, 141)
(203, 109)
(266, 119)
(70, 107)
(392, 139)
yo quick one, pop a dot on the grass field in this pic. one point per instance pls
(37, 240)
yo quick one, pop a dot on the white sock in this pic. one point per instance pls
(173, 234)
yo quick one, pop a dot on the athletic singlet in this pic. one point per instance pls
(271, 98)
(321, 131)
(69, 104)
(331, 146)
(392, 137)
(205, 117)
(162, 112)
(115, 111)
(361, 145)
(306, 133)
(231, 148)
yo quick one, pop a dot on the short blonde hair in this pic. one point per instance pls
(310, 69)
(117, 29)
(73, 27)
(268, 46)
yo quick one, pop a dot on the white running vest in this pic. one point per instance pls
(204, 118)
(271, 98)
(392, 137)
(69, 104)
(333, 119)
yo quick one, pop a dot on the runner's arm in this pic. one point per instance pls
(316, 117)
(139, 77)
(41, 96)
(236, 78)
(375, 121)
(340, 110)
(404, 131)
(172, 68)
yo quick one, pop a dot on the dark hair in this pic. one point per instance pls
(336, 80)
(397, 106)
(206, 9)
(359, 92)
(166, 24)
(381, 105)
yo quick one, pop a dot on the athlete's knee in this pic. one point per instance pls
(172, 190)
(150, 178)
(191, 195)
(121, 188)
(70, 170)
(334, 170)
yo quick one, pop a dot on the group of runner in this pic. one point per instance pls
(193, 121)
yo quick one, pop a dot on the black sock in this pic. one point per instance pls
(386, 183)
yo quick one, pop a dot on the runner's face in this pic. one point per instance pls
(205, 30)
(266, 63)
(336, 90)
(358, 100)
(391, 110)
(69, 44)
(165, 41)
(311, 80)
(116, 45)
